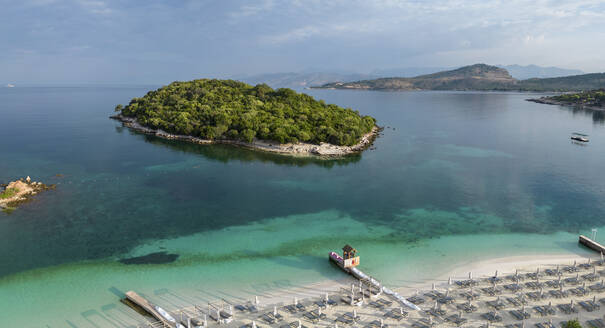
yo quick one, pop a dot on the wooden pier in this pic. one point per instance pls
(591, 244)
(149, 308)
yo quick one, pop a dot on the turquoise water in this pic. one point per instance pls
(456, 175)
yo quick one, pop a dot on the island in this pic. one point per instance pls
(282, 121)
(20, 191)
(593, 99)
(480, 77)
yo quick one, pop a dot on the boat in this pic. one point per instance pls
(10, 85)
(579, 137)
(167, 316)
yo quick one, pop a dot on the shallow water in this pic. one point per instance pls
(456, 175)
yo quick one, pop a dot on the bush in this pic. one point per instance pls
(572, 324)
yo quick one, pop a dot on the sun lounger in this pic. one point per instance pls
(558, 293)
(585, 265)
(466, 283)
(596, 323)
(416, 300)
(544, 310)
(572, 280)
(534, 285)
(536, 296)
(514, 325)
(446, 300)
(590, 305)
(545, 325)
(252, 308)
(567, 308)
(376, 305)
(268, 319)
(533, 275)
(579, 291)
(513, 287)
(396, 314)
(291, 308)
(376, 324)
(591, 276)
(517, 300)
(492, 316)
(456, 319)
(520, 315)
(554, 283)
(496, 304)
(434, 294)
(423, 323)
(466, 307)
(491, 291)
(469, 296)
(551, 272)
(571, 269)
(293, 324)
(599, 287)
(515, 277)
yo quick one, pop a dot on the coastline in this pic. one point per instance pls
(324, 150)
(549, 101)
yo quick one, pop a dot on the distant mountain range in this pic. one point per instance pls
(308, 79)
(476, 77)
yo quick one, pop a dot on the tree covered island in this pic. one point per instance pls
(227, 111)
(594, 99)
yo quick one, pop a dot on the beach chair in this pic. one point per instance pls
(249, 325)
(416, 300)
(291, 308)
(423, 323)
(534, 285)
(376, 324)
(492, 316)
(571, 281)
(492, 291)
(496, 304)
(591, 276)
(567, 308)
(456, 319)
(551, 272)
(397, 314)
(466, 307)
(384, 302)
(293, 324)
(376, 305)
(558, 293)
(579, 291)
(344, 320)
(514, 325)
(597, 288)
(596, 323)
(514, 288)
(554, 283)
(545, 325)
(240, 308)
(268, 319)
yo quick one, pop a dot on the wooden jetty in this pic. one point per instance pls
(585, 241)
(141, 302)
(348, 263)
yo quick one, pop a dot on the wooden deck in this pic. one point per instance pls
(591, 244)
(148, 307)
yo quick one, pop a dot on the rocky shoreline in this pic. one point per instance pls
(20, 191)
(550, 101)
(296, 149)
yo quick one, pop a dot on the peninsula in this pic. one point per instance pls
(594, 99)
(19, 191)
(226, 111)
(479, 77)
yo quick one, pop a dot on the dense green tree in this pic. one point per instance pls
(227, 109)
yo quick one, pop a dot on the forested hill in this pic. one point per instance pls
(228, 109)
(477, 77)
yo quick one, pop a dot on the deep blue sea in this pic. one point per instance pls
(453, 175)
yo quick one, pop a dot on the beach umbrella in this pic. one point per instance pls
(433, 286)
(470, 275)
(354, 313)
(574, 263)
(275, 311)
(295, 301)
(449, 280)
(571, 304)
(381, 323)
(318, 311)
(496, 274)
(594, 299)
(256, 300)
(299, 324)
(335, 325)
(205, 321)
(188, 322)
(401, 310)
(253, 324)
(327, 298)
(601, 256)
(417, 292)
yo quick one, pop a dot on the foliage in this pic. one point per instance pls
(594, 98)
(572, 324)
(227, 109)
(8, 193)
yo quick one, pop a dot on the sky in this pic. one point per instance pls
(153, 41)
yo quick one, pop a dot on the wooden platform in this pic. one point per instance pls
(591, 244)
(148, 307)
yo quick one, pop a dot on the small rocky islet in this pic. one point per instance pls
(20, 191)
